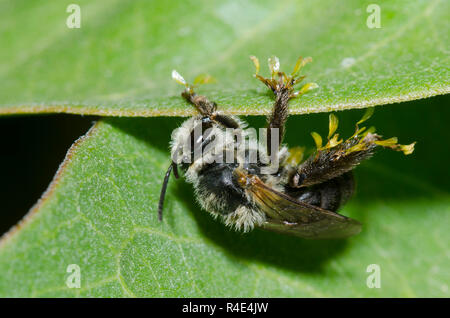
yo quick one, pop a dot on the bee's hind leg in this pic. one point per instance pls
(339, 156)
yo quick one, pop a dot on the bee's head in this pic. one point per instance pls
(189, 140)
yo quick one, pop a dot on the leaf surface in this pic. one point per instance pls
(119, 62)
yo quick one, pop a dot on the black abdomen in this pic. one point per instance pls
(329, 195)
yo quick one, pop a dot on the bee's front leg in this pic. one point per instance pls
(205, 107)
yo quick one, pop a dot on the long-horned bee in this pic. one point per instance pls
(249, 183)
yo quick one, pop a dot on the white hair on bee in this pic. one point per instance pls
(224, 142)
(244, 218)
(179, 135)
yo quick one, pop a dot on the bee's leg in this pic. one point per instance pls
(277, 119)
(330, 163)
(282, 86)
(205, 107)
(209, 109)
(338, 157)
(201, 103)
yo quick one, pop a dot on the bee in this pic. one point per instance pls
(293, 196)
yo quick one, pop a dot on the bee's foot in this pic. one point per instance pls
(279, 82)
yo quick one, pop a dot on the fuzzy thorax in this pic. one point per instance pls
(245, 215)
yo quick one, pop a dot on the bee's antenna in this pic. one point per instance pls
(163, 190)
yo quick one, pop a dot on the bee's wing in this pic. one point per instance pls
(287, 215)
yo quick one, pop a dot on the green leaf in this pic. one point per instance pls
(100, 213)
(119, 62)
